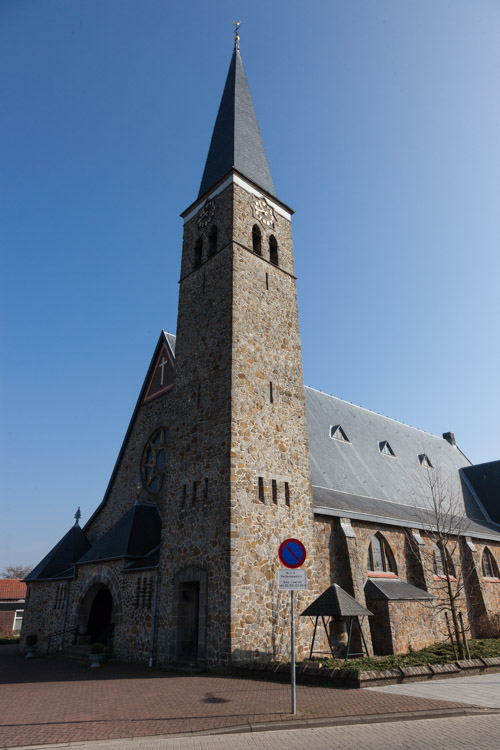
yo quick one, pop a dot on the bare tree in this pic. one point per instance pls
(16, 571)
(445, 525)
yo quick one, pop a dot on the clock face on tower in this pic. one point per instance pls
(154, 461)
(263, 212)
(205, 215)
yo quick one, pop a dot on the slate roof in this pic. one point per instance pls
(394, 589)
(485, 479)
(145, 563)
(335, 602)
(356, 479)
(60, 560)
(135, 535)
(12, 588)
(236, 139)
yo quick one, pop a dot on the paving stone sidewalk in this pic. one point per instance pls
(47, 701)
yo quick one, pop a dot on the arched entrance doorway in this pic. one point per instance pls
(96, 615)
(100, 616)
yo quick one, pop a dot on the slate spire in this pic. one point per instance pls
(236, 140)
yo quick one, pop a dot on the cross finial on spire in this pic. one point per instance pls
(237, 25)
(78, 515)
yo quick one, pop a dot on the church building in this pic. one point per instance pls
(227, 454)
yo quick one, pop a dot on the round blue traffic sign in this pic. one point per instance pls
(292, 553)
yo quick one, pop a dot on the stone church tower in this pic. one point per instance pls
(239, 477)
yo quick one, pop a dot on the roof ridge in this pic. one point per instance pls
(377, 414)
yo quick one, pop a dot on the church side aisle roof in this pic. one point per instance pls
(59, 561)
(135, 535)
(236, 139)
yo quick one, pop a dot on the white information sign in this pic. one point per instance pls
(292, 580)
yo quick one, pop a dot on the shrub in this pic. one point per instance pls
(97, 648)
(489, 626)
(31, 639)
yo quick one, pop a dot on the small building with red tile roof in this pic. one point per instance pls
(12, 599)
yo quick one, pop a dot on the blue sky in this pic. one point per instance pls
(380, 121)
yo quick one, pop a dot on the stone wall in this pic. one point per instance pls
(269, 440)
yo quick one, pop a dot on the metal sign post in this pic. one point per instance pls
(292, 634)
(292, 553)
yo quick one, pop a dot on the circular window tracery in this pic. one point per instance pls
(154, 461)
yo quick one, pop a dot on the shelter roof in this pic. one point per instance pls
(394, 589)
(335, 602)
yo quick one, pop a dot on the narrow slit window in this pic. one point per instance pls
(271, 398)
(275, 491)
(273, 250)
(212, 241)
(150, 594)
(261, 489)
(267, 281)
(198, 252)
(137, 593)
(256, 240)
(287, 494)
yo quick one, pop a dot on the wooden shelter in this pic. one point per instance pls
(337, 605)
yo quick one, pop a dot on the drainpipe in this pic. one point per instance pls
(61, 644)
(153, 625)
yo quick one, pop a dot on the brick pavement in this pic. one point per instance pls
(47, 701)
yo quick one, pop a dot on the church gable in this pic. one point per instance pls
(141, 466)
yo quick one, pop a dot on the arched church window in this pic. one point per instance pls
(440, 555)
(212, 241)
(380, 557)
(198, 251)
(154, 461)
(490, 567)
(273, 250)
(256, 240)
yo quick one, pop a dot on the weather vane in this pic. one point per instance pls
(78, 515)
(237, 25)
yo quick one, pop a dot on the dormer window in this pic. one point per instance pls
(385, 448)
(425, 460)
(273, 250)
(337, 433)
(256, 240)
